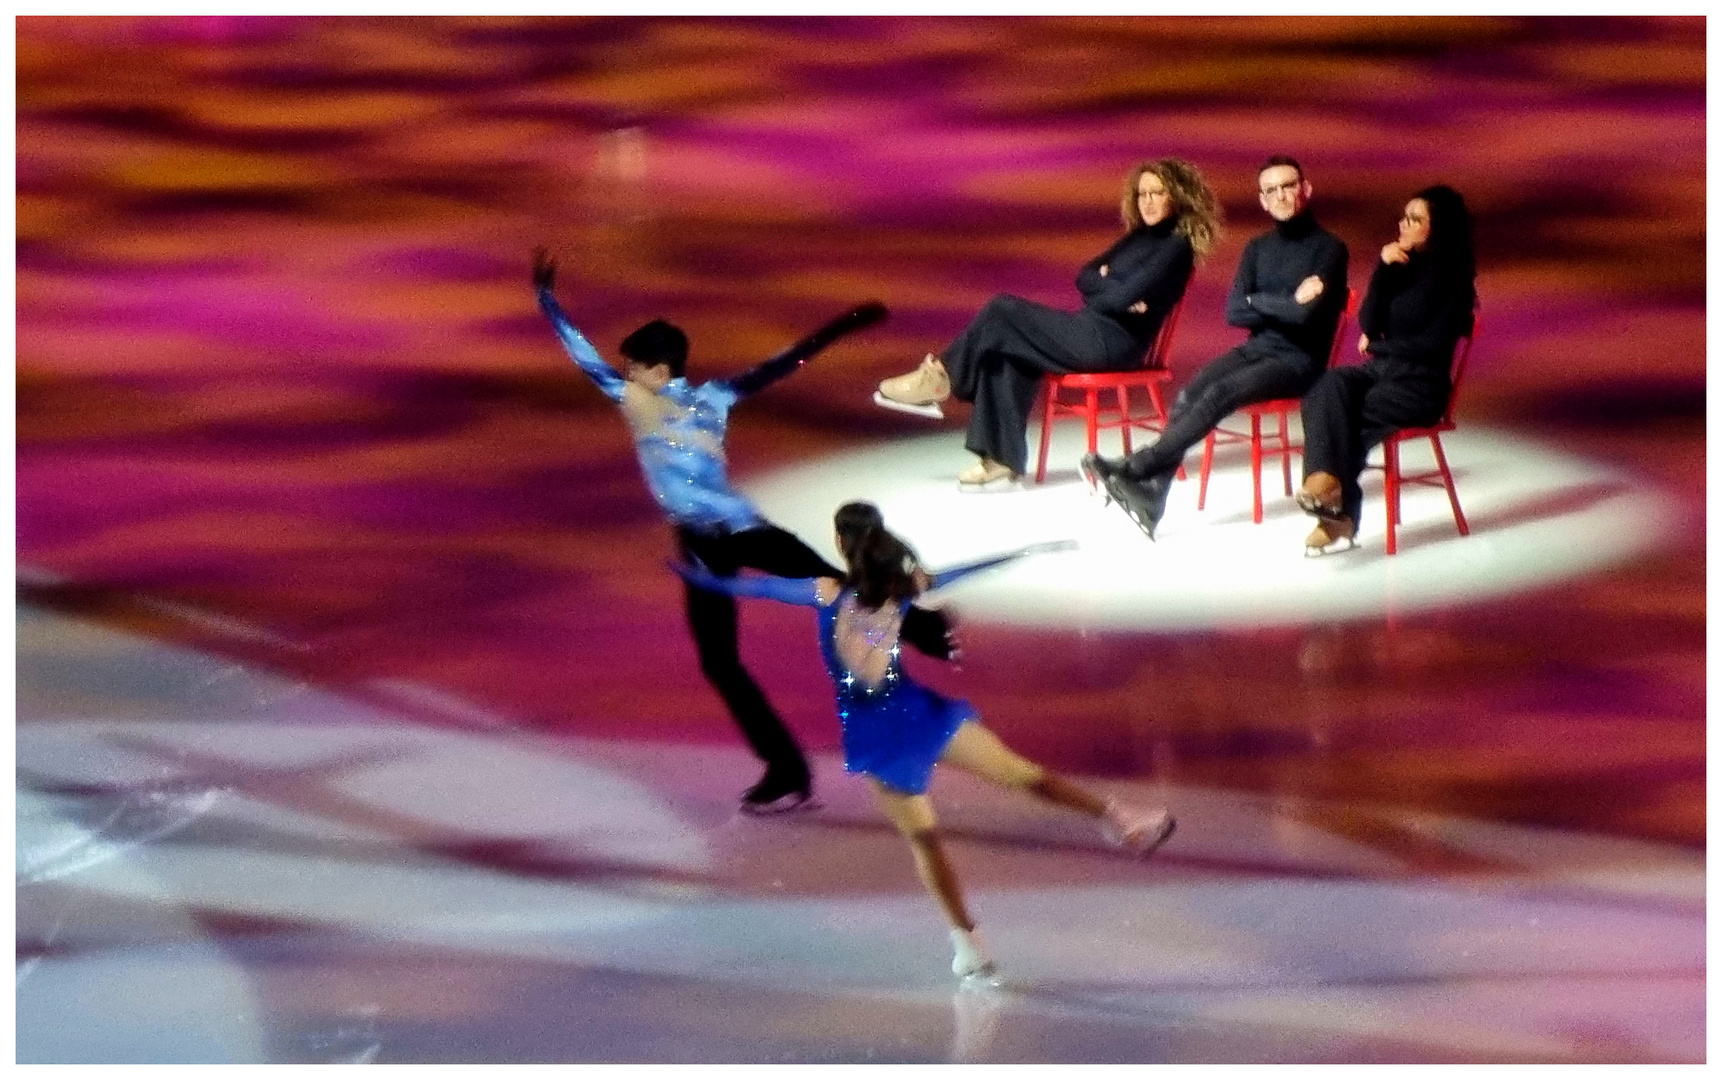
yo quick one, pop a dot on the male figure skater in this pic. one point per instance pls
(1289, 293)
(678, 430)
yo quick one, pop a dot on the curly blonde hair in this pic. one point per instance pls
(1197, 210)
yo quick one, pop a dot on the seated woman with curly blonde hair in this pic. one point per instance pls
(1171, 219)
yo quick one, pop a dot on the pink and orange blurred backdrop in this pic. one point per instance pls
(279, 362)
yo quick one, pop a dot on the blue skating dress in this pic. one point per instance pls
(894, 729)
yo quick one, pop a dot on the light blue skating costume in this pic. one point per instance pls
(678, 434)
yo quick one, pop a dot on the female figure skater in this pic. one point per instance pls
(1170, 220)
(1420, 303)
(895, 730)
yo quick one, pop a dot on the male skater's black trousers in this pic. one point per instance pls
(1351, 409)
(1242, 376)
(712, 619)
(998, 360)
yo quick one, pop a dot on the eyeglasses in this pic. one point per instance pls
(1286, 188)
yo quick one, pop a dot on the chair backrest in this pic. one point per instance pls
(1461, 357)
(1157, 354)
(1337, 350)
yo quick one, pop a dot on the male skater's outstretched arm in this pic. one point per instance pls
(793, 358)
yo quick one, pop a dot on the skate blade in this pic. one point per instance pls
(994, 486)
(1137, 519)
(1140, 523)
(1141, 846)
(931, 412)
(1095, 487)
(1334, 548)
(986, 978)
(1159, 839)
(787, 804)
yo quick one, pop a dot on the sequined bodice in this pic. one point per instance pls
(861, 646)
(679, 434)
(684, 421)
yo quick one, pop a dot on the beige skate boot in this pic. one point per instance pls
(1330, 537)
(920, 392)
(986, 473)
(1320, 496)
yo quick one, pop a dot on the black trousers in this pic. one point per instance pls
(712, 619)
(1223, 385)
(1350, 410)
(998, 360)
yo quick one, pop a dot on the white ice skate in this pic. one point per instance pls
(971, 962)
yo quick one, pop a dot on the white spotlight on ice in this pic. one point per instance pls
(1537, 516)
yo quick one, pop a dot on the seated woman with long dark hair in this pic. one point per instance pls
(1171, 219)
(1420, 303)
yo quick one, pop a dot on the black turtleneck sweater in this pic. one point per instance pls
(1272, 267)
(1149, 263)
(1415, 313)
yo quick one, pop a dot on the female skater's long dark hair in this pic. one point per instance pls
(881, 567)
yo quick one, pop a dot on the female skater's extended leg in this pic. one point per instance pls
(975, 749)
(913, 817)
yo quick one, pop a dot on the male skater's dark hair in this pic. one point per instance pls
(1278, 160)
(658, 343)
(881, 567)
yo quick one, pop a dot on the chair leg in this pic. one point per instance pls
(1390, 492)
(1048, 396)
(1452, 492)
(1285, 454)
(1124, 417)
(1256, 467)
(1154, 400)
(1207, 466)
(1091, 405)
(1399, 481)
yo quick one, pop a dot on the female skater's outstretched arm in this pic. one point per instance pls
(803, 592)
(951, 575)
(806, 592)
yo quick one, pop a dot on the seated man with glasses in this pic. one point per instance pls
(1289, 292)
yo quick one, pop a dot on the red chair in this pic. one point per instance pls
(1281, 409)
(1150, 376)
(1441, 476)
